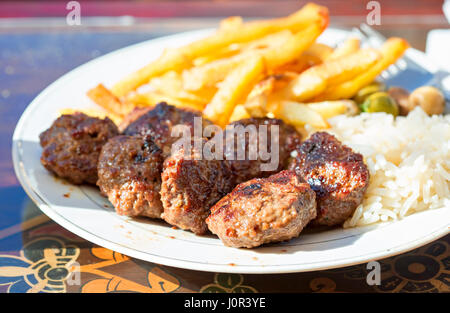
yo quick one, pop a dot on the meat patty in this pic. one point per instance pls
(159, 122)
(129, 173)
(133, 116)
(337, 175)
(263, 210)
(71, 146)
(277, 146)
(191, 185)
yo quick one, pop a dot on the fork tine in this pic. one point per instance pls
(403, 63)
(372, 32)
(359, 33)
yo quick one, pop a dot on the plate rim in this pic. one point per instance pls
(187, 264)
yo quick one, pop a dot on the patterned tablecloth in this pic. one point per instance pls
(37, 255)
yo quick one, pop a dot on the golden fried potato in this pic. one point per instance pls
(294, 46)
(181, 58)
(351, 45)
(299, 114)
(316, 79)
(239, 113)
(390, 51)
(320, 51)
(329, 109)
(231, 23)
(226, 52)
(209, 74)
(233, 89)
(171, 85)
(103, 97)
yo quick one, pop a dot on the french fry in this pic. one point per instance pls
(349, 46)
(181, 58)
(320, 51)
(230, 23)
(103, 97)
(94, 113)
(171, 85)
(298, 66)
(270, 41)
(211, 73)
(391, 50)
(273, 68)
(299, 114)
(226, 52)
(153, 98)
(234, 88)
(328, 109)
(294, 47)
(256, 107)
(316, 54)
(257, 100)
(239, 113)
(316, 79)
(301, 19)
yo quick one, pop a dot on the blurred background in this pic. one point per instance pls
(410, 18)
(207, 8)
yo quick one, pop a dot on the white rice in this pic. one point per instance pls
(408, 159)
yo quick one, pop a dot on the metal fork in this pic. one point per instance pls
(405, 72)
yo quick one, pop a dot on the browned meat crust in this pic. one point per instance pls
(129, 171)
(133, 116)
(191, 186)
(263, 210)
(72, 144)
(245, 169)
(158, 123)
(337, 175)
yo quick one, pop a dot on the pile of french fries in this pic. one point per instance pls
(272, 68)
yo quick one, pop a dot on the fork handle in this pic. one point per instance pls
(442, 79)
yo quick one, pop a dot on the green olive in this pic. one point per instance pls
(363, 93)
(380, 102)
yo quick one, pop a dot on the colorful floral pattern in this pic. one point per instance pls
(157, 279)
(426, 269)
(229, 283)
(48, 263)
(44, 265)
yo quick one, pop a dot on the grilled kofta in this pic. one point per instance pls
(336, 173)
(263, 210)
(158, 123)
(279, 144)
(191, 185)
(129, 173)
(132, 117)
(71, 146)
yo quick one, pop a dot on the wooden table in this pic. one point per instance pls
(33, 54)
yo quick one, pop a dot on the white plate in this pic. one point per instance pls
(90, 216)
